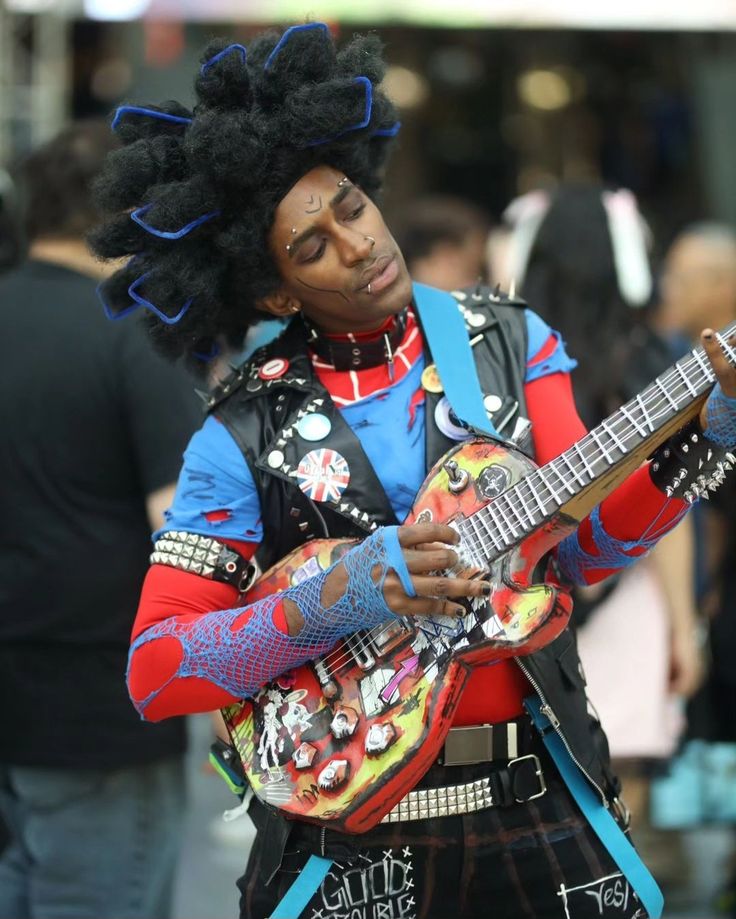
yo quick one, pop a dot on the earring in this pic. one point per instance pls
(294, 309)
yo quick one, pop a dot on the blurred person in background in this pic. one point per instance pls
(94, 424)
(443, 240)
(262, 199)
(11, 246)
(698, 279)
(580, 256)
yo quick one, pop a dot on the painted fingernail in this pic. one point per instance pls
(486, 589)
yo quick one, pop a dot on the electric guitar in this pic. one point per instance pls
(340, 740)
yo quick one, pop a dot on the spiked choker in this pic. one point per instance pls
(357, 351)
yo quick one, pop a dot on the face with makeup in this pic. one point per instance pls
(337, 260)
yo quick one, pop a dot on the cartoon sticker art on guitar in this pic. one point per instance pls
(341, 739)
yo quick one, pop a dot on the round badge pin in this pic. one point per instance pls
(476, 320)
(431, 381)
(323, 475)
(492, 403)
(273, 369)
(447, 421)
(275, 459)
(314, 426)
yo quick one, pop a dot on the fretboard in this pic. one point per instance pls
(520, 510)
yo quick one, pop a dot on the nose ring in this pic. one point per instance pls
(373, 242)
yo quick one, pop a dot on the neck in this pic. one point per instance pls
(69, 253)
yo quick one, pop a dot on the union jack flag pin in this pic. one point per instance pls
(323, 475)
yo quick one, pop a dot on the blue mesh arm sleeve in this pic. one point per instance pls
(721, 419)
(241, 657)
(573, 561)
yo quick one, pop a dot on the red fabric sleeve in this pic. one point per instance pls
(170, 593)
(627, 513)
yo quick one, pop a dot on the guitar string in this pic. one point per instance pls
(697, 358)
(524, 488)
(472, 537)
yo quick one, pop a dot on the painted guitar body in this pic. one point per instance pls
(339, 741)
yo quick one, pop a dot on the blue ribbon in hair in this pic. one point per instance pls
(124, 110)
(292, 30)
(136, 216)
(215, 58)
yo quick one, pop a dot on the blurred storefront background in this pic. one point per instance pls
(497, 96)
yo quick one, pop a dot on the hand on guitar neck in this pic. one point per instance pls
(425, 550)
(718, 414)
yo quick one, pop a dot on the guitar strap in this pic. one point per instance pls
(598, 816)
(447, 337)
(295, 899)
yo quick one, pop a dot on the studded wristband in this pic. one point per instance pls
(205, 556)
(689, 465)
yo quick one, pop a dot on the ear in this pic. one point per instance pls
(279, 304)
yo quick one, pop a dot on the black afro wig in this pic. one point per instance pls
(193, 194)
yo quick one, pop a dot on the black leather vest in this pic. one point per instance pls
(262, 416)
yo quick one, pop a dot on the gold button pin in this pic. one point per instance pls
(431, 381)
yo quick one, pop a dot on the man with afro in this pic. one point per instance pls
(262, 201)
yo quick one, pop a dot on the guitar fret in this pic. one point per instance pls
(561, 477)
(510, 505)
(573, 470)
(508, 523)
(488, 530)
(613, 436)
(527, 510)
(645, 413)
(586, 464)
(548, 485)
(704, 365)
(601, 446)
(535, 494)
(729, 351)
(476, 531)
(499, 526)
(627, 414)
(666, 394)
(688, 385)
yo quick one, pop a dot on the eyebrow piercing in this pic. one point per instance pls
(343, 181)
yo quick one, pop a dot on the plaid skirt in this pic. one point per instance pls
(537, 860)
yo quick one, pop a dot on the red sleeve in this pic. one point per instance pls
(173, 594)
(628, 512)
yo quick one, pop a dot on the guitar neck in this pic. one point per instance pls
(581, 477)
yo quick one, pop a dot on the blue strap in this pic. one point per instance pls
(303, 889)
(447, 337)
(605, 827)
(396, 560)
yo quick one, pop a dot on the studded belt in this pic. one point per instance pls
(519, 781)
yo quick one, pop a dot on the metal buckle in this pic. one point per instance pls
(538, 772)
(468, 745)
